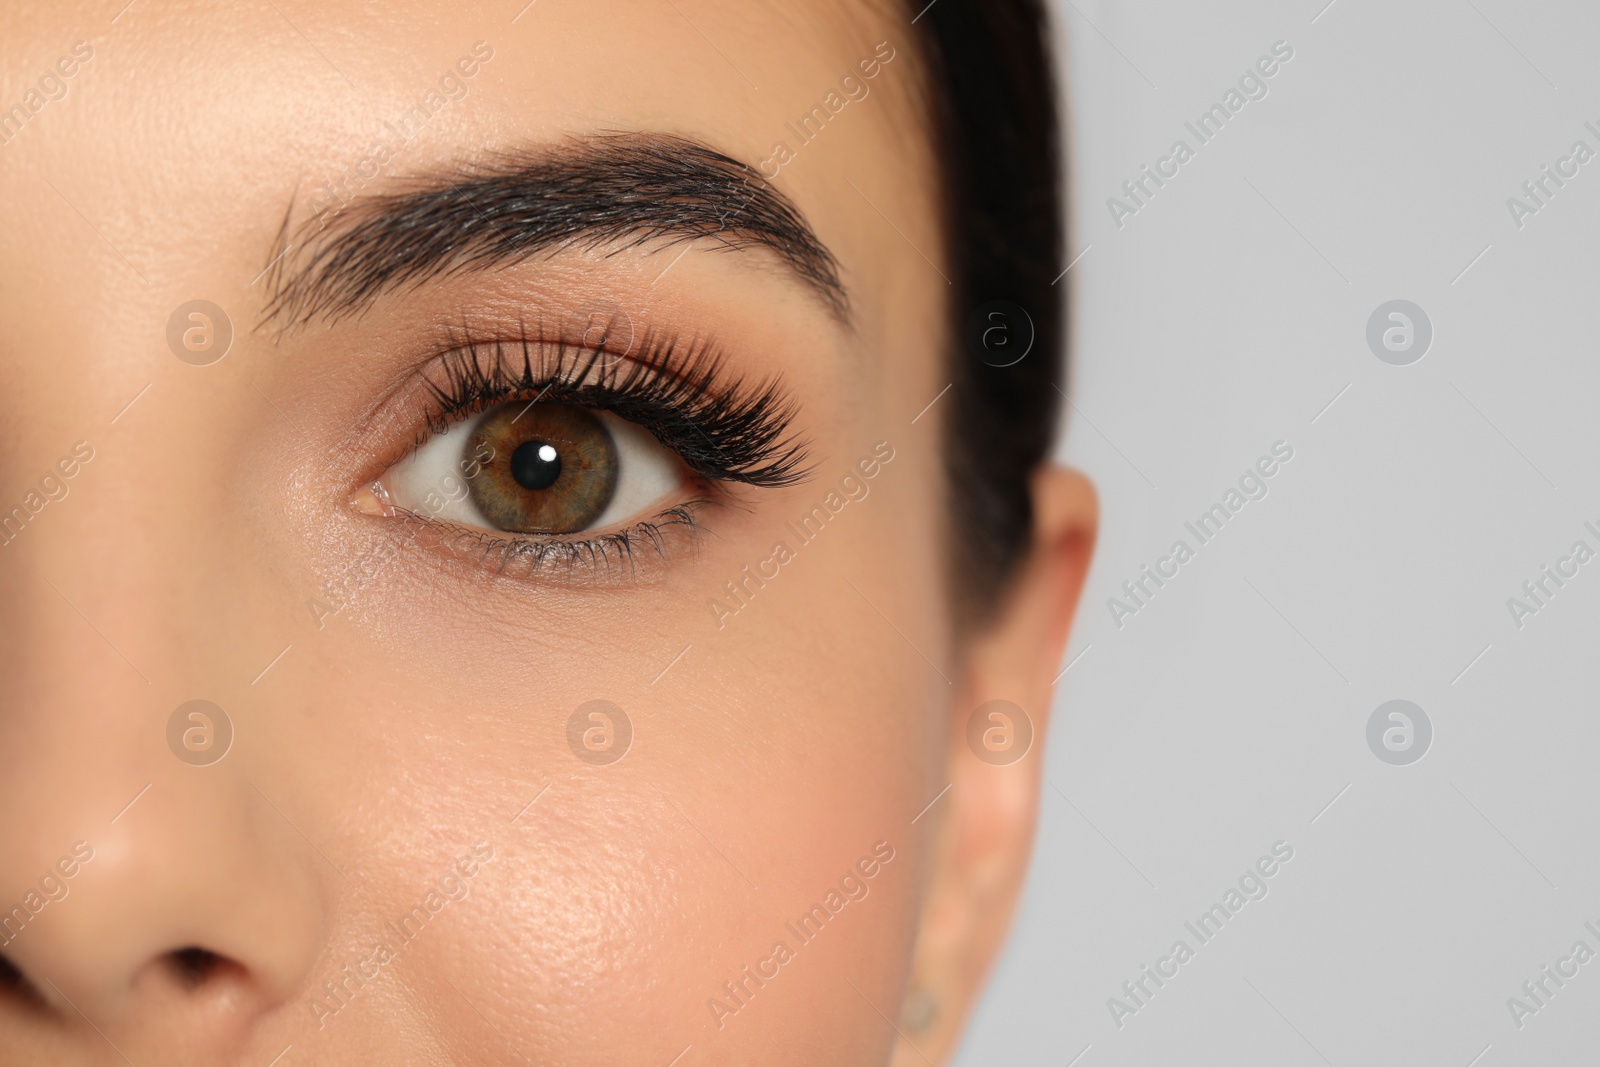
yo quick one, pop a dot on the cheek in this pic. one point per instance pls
(632, 892)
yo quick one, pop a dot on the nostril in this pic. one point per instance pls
(13, 983)
(195, 966)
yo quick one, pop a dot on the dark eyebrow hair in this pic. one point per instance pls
(626, 189)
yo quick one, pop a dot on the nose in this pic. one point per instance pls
(188, 909)
(165, 899)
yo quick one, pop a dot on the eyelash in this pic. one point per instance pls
(724, 428)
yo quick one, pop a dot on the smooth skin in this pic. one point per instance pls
(428, 715)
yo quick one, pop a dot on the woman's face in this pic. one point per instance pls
(600, 728)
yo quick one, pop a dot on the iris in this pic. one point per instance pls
(555, 468)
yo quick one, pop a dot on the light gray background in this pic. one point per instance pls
(1230, 711)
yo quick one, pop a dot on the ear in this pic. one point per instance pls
(986, 820)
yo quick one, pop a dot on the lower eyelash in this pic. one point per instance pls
(557, 557)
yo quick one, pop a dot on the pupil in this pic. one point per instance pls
(535, 465)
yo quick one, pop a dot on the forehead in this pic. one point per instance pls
(209, 117)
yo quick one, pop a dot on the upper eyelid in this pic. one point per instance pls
(682, 382)
(560, 358)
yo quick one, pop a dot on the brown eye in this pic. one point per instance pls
(542, 469)
(546, 468)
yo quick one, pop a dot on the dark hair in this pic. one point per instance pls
(992, 91)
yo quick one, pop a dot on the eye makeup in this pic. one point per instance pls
(722, 426)
(528, 404)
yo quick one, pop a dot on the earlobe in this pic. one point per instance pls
(995, 763)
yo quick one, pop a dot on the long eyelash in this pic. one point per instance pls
(724, 428)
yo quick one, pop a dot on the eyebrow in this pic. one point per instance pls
(625, 190)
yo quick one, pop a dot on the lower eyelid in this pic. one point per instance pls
(629, 555)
